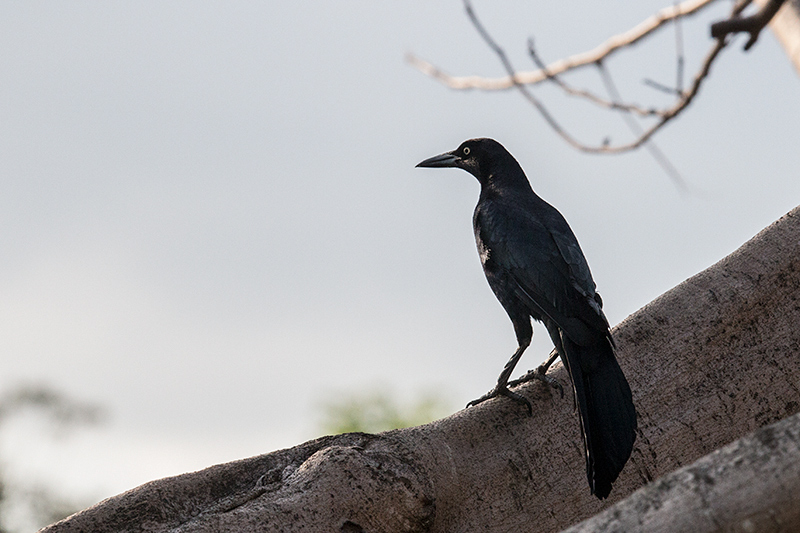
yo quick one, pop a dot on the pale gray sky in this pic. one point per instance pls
(211, 220)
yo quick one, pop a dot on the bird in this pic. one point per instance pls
(537, 270)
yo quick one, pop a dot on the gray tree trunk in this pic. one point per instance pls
(710, 361)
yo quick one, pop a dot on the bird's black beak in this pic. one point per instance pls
(445, 160)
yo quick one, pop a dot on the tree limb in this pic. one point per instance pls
(633, 125)
(752, 484)
(601, 52)
(711, 360)
(615, 104)
(521, 80)
(752, 24)
(664, 116)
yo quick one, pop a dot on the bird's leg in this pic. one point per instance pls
(501, 389)
(540, 374)
(544, 367)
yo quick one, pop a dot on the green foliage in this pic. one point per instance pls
(377, 411)
(29, 503)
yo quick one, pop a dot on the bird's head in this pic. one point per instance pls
(479, 157)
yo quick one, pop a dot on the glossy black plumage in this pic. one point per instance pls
(536, 268)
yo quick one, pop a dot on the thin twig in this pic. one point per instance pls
(659, 156)
(667, 115)
(632, 36)
(511, 73)
(679, 52)
(678, 89)
(659, 87)
(602, 102)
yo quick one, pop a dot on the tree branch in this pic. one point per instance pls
(655, 152)
(572, 91)
(605, 50)
(752, 484)
(521, 87)
(665, 116)
(752, 24)
(710, 361)
(616, 104)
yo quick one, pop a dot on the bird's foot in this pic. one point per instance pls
(541, 375)
(502, 390)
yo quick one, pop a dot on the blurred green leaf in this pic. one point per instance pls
(35, 505)
(377, 411)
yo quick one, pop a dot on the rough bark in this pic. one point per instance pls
(750, 485)
(709, 361)
(786, 27)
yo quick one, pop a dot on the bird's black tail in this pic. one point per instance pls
(605, 405)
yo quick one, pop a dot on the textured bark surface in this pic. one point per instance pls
(752, 485)
(710, 361)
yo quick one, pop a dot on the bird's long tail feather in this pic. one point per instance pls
(605, 405)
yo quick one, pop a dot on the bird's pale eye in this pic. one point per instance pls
(466, 150)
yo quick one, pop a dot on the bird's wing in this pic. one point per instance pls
(542, 256)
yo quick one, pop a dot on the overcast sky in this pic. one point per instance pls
(210, 219)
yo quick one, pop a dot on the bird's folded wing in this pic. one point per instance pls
(550, 272)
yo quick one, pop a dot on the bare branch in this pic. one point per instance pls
(616, 104)
(522, 88)
(678, 89)
(632, 36)
(752, 24)
(602, 102)
(655, 152)
(665, 116)
(679, 53)
(660, 87)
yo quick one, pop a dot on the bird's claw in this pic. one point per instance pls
(503, 391)
(541, 375)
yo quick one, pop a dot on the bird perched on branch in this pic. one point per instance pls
(537, 270)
